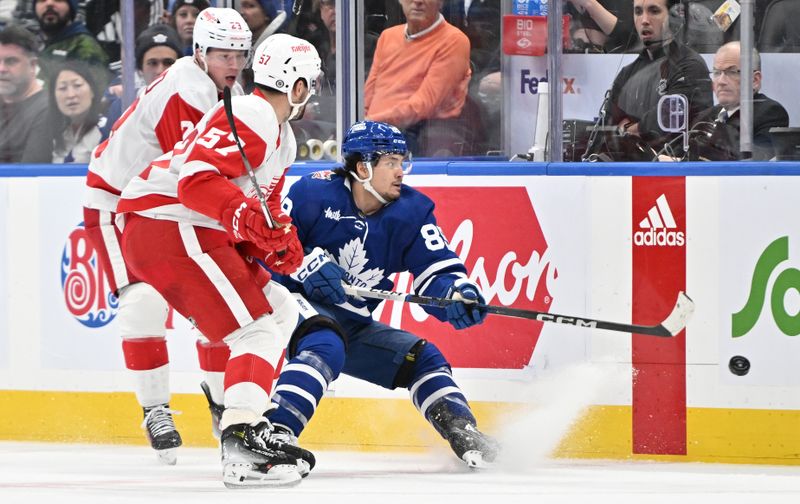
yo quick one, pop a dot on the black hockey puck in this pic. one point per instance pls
(739, 365)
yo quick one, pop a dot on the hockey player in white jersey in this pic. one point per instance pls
(200, 202)
(360, 224)
(159, 118)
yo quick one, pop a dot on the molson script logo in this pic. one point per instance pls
(659, 229)
(745, 319)
(506, 254)
(87, 295)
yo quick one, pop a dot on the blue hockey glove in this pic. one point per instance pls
(321, 278)
(462, 315)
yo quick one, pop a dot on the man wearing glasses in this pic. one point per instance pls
(664, 66)
(722, 121)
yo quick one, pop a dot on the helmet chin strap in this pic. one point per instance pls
(296, 107)
(366, 183)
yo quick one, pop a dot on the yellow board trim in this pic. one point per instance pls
(713, 434)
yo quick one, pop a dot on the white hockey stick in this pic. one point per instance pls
(670, 326)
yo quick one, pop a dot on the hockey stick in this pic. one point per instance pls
(226, 101)
(670, 326)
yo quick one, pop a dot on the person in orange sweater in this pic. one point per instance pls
(421, 70)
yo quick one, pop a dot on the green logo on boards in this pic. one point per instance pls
(745, 319)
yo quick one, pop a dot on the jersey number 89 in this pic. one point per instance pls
(434, 239)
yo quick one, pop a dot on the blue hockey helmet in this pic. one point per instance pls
(372, 139)
(367, 141)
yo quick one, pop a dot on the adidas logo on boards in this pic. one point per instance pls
(657, 227)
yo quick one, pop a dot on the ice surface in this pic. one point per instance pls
(88, 474)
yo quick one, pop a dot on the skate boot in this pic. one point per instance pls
(306, 460)
(472, 446)
(254, 456)
(215, 409)
(161, 432)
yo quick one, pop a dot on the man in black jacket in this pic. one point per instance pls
(722, 121)
(23, 104)
(663, 67)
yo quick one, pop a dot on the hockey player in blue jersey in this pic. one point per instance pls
(360, 224)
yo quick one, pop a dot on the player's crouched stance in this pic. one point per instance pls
(188, 218)
(362, 225)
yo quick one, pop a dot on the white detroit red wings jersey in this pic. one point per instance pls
(185, 185)
(159, 118)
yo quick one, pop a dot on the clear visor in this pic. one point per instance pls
(315, 85)
(382, 159)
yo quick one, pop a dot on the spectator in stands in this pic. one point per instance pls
(780, 31)
(326, 41)
(723, 119)
(75, 122)
(7, 12)
(263, 18)
(182, 17)
(23, 105)
(157, 48)
(602, 25)
(420, 72)
(104, 20)
(319, 28)
(480, 22)
(663, 67)
(67, 39)
(259, 14)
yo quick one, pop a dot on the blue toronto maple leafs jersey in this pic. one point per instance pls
(402, 236)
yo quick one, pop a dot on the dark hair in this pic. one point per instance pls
(58, 121)
(350, 166)
(19, 36)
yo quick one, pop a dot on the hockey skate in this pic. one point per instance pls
(215, 409)
(305, 460)
(475, 448)
(255, 456)
(161, 432)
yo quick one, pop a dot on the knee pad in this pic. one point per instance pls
(423, 358)
(325, 345)
(311, 325)
(285, 311)
(262, 338)
(142, 311)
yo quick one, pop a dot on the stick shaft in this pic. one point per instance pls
(682, 310)
(226, 98)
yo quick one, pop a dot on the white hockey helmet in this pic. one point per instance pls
(281, 60)
(220, 28)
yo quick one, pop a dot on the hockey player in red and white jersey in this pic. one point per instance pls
(199, 205)
(159, 118)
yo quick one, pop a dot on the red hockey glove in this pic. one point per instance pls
(244, 221)
(284, 264)
(291, 258)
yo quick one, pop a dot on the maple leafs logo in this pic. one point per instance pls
(353, 259)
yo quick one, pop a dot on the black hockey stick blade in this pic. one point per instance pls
(674, 323)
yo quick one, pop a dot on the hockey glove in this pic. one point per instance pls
(321, 278)
(462, 315)
(290, 260)
(244, 221)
